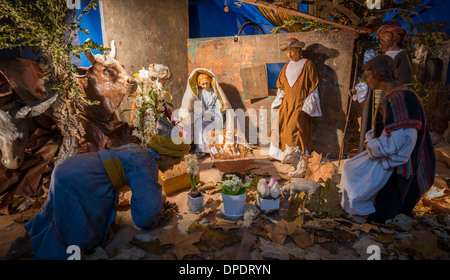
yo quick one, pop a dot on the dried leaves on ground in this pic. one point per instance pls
(183, 243)
(317, 170)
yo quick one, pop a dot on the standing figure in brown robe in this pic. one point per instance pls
(297, 102)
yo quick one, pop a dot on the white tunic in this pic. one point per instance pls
(367, 173)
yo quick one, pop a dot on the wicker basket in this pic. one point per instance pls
(233, 165)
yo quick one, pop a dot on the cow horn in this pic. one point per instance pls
(112, 53)
(36, 108)
(90, 56)
(80, 76)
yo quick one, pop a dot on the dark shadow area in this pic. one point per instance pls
(325, 136)
(232, 93)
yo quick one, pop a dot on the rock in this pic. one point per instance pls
(447, 222)
(400, 236)
(99, 254)
(387, 230)
(442, 235)
(145, 237)
(402, 221)
(431, 221)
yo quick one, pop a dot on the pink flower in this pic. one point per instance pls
(272, 182)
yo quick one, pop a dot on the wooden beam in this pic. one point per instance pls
(269, 5)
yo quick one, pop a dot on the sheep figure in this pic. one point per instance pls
(296, 157)
(298, 185)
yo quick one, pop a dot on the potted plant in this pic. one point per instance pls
(268, 197)
(195, 197)
(234, 193)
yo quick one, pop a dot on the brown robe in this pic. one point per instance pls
(295, 126)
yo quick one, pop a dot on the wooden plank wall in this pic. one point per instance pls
(331, 52)
(149, 32)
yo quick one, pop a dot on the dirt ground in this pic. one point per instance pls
(264, 235)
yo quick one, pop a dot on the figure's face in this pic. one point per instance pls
(370, 80)
(293, 54)
(204, 84)
(389, 41)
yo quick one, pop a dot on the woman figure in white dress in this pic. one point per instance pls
(204, 105)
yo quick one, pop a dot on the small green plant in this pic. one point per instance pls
(233, 186)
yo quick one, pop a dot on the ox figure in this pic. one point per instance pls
(16, 125)
(106, 81)
(84, 128)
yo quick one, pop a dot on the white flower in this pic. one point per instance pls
(144, 74)
(262, 187)
(157, 85)
(192, 164)
(275, 190)
(148, 108)
(138, 101)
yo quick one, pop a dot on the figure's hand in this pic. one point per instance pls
(225, 107)
(207, 115)
(365, 144)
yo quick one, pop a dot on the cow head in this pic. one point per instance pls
(106, 81)
(16, 125)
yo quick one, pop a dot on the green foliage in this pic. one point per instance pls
(233, 186)
(48, 28)
(303, 25)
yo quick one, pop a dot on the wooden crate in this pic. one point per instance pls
(175, 179)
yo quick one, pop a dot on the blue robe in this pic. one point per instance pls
(81, 202)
